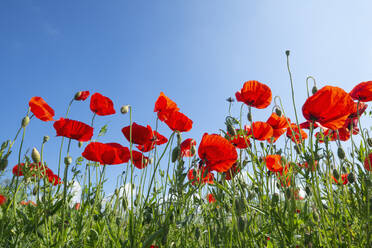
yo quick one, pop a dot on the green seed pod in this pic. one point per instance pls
(68, 160)
(336, 174)
(249, 116)
(314, 90)
(175, 154)
(241, 224)
(351, 178)
(25, 121)
(278, 112)
(340, 153)
(35, 155)
(369, 141)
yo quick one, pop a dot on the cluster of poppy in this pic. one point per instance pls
(2, 200)
(36, 169)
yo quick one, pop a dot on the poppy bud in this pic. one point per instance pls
(340, 153)
(68, 160)
(297, 149)
(80, 144)
(308, 190)
(230, 99)
(150, 160)
(278, 112)
(175, 154)
(3, 163)
(369, 141)
(124, 109)
(335, 174)
(249, 116)
(35, 155)
(314, 90)
(25, 121)
(45, 139)
(241, 224)
(34, 191)
(231, 130)
(287, 52)
(275, 199)
(77, 95)
(197, 233)
(351, 178)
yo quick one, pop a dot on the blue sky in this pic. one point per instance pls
(196, 52)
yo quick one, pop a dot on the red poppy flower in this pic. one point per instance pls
(164, 107)
(232, 172)
(33, 169)
(274, 163)
(279, 125)
(188, 148)
(140, 134)
(294, 134)
(139, 160)
(2, 200)
(362, 92)
(101, 105)
(54, 179)
(28, 203)
(368, 162)
(211, 198)
(306, 125)
(261, 130)
(73, 129)
(82, 95)
(41, 109)
(343, 180)
(241, 140)
(157, 139)
(109, 153)
(306, 165)
(217, 152)
(77, 206)
(200, 176)
(358, 110)
(179, 122)
(254, 94)
(330, 106)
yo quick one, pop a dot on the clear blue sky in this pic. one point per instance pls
(197, 52)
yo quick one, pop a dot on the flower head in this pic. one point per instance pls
(41, 109)
(101, 105)
(73, 129)
(362, 92)
(254, 94)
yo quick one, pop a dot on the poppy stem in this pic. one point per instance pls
(307, 84)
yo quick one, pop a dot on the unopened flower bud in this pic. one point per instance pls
(3, 164)
(278, 112)
(340, 153)
(351, 178)
(369, 141)
(68, 160)
(175, 154)
(77, 95)
(35, 155)
(287, 52)
(314, 90)
(25, 121)
(34, 191)
(150, 160)
(124, 109)
(80, 144)
(231, 130)
(45, 139)
(249, 116)
(336, 175)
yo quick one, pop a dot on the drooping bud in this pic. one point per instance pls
(351, 178)
(340, 153)
(314, 90)
(278, 112)
(25, 121)
(175, 154)
(45, 139)
(124, 109)
(369, 141)
(231, 130)
(68, 160)
(35, 155)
